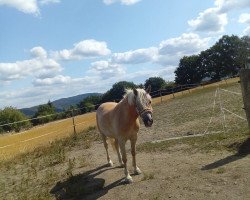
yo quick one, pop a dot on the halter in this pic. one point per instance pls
(141, 112)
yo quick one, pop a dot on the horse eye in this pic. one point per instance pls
(150, 102)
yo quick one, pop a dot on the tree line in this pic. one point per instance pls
(224, 59)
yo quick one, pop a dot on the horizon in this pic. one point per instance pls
(53, 49)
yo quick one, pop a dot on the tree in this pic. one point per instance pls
(223, 59)
(11, 115)
(244, 52)
(117, 91)
(44, 110)
(156, 83)
(89, 104)
(189, 70)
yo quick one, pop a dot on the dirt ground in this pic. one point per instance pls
(176, 174)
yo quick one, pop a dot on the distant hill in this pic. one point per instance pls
(60, 104)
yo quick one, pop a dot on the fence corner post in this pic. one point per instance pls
(245, 88)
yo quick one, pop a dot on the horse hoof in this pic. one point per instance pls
(137, 171)
(110, 164)
(128, 180)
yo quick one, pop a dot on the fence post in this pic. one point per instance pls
(245, 88)
(173, 93)
(73, 120)
(161, 95)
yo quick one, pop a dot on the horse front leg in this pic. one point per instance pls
(128, 178)
(137, 171)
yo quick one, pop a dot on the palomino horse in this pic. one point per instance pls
(120, 122)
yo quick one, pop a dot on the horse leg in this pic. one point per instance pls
(104, 138)
(118, 152)
(128, 178)
(137, 171)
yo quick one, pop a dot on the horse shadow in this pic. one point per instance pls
(84, 185)
(242, 151)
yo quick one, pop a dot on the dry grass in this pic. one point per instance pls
(42, 135)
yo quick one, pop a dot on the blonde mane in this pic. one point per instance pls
(131, 96)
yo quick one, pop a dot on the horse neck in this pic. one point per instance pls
(128, 111)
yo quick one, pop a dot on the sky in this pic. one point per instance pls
(51, 49)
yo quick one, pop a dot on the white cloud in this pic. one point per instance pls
(59, 79)
(244, 18)
(209, 21)
(38, 66)
(106, 69)
(46, 2)
(124, 2)
(84, 49)
(168, 53)
(26, 6)
(187, 43)
(171, 50)
(136, 56)
(38, 52)
(225, 6)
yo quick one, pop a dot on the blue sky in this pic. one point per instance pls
(51, 49)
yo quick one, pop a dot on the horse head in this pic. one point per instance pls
(143, 105)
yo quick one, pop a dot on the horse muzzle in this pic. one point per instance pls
(147, 119)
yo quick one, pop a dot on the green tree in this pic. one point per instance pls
(156, 83)
(117, 91)
(223, 59)
(12, 115)
(89, 104)
(44, 110)
(189, 70)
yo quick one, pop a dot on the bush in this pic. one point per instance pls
(11, 115)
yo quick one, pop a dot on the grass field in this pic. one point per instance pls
(13, 144)
(61, 169)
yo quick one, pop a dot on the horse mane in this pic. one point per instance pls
(131, 96)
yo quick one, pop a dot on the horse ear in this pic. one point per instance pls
(135, 92)
(148, 90)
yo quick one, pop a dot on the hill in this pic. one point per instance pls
(60, 104)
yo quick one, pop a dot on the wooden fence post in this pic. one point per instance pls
(73, 120)
(161, 95)
(245, 88)
(173, 93)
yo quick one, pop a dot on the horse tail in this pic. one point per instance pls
(112, 142)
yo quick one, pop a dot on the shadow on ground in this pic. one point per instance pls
(84, 186)
(243, 149)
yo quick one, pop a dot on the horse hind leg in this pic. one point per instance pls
(104, 138)
(116, 147)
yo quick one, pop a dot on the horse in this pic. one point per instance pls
(119, 122)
